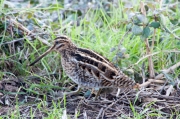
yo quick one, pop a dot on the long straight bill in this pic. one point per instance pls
(44, 54)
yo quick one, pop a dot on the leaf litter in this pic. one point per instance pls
(27, 91)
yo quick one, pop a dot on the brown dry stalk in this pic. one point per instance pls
(150, 61)
(167, 70)
(26, 31)
(160, 76)
(151, 81)
(148, 49)
(20, 26)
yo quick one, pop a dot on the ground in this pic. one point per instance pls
(140, 38)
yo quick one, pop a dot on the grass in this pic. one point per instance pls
(97, 31)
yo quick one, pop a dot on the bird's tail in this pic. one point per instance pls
(123, 81)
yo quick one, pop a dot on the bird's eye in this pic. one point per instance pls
(56, 42)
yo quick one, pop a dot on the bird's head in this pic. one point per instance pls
(61, 43)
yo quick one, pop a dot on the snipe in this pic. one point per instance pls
(87, 68)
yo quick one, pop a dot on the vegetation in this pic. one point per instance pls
(141, 38)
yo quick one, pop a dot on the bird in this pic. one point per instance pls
(87, 68)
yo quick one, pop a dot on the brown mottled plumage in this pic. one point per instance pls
(87, 68)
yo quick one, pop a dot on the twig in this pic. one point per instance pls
(28, 32)
(10, 42)
(166, 51)
(171, 32)
(99, 114)
(120, 42)
(163, 87)
(20, 39)
(150, 61)
(164, 26)
(144, 85)
(146, 57)
(20, 26)
(168, 70)
(153, 39)
(157, 81)
(148, 50)
(143, 72)
(151, 81)
(109, 106)
(159, 96)
(158, 77)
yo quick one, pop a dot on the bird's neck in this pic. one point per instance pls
(67, 53)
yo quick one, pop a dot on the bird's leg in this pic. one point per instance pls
(93, 91)
(98, 93)
(124, 91)
(73, 92)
